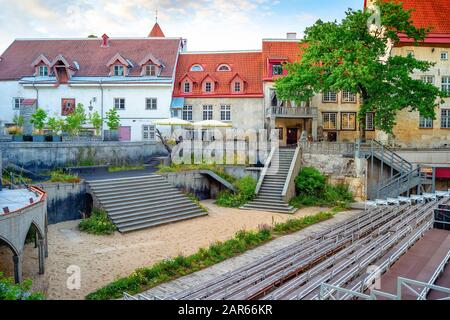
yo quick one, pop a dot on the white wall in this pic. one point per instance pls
(134, 115)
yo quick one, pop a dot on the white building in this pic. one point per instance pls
(133, 75)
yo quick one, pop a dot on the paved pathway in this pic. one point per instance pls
(212, 272)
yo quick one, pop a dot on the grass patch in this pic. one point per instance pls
(126, 168)
(174, 168)
(60, 176)
(245, 192)
(196, 200)
(145, 278)
(98, 223)
(11, 291)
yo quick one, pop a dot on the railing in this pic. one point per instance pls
(265, 169)
(396, 185)
(289, 185)
(343, 148)
(292, 112)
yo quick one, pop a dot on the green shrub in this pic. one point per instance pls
(21, 291)
(245, 192)
(98, 223)
(293, 225)
(126, 168)
(310, 182)
(60, 176)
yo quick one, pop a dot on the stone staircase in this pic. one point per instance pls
(269, 197)
(142, 202)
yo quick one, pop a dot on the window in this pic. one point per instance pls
(446, 84)
(277, 69)
(207, 112)
(329, 120)
(119, 71)
(370, 121)
(67, 106)
(17, 103)
(329, 96)
(119, 103)
(150, 70)
(187, 113)
(224, 68)
(151, 104)
(348, 96)
(425, 123)
(148, 132)
(445, 118)
(237, 86)
(225, 113)
(43, 71)
(187, 87)
(427, 79)
(348, 121)
(196, 68)
(444, 55)
(208, 87)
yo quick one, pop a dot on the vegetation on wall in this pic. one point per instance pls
(75, 121)
(38, 119)
(96, 121)
(126, 167)
(60, 176)
(55, 124)
(245, 192)
(98, 223)
(145, 278)
(313, 190)
(11, 291)
(112, 119)
(347, 55)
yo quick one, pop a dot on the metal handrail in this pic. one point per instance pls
(399, 181)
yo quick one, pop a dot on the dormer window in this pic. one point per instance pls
(223, 68)
(277, 69)
(237, 86)
(150, 70)
(187, 87)
(208, 87)
(119, 70)
(43, 71)
(196, 68)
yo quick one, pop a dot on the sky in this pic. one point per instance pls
(206, 24)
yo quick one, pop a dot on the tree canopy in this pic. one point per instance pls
(348, 55)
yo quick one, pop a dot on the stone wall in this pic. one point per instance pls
(48, 155)
(340, 169)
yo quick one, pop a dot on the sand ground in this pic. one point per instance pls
(102, 259)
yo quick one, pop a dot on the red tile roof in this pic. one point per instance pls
(16, 62)
(156, 31)
(288, 51)
(247, 65)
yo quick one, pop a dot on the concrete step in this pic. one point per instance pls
(160, 205)
(127, 203)
(133, 185)
(140, 196)
(120, 194)
(251, 206)
(146, 225)
(153, 212)
(124, 181)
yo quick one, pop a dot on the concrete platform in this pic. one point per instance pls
(16, 199)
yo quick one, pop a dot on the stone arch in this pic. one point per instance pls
(38, 229)
(10, 245)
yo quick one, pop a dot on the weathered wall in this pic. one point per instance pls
(44, 156)
(339, 169)
(65, 201)
(426, 156)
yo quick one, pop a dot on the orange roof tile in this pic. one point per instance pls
(156, 32)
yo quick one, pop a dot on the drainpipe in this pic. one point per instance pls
(101, 108)
(37, 93)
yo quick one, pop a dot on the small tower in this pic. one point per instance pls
(156, 30)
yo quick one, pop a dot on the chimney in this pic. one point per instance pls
(105, 42)
(291, 35)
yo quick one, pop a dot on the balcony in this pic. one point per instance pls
(292, 112)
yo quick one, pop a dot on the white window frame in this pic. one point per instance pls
(187, 113)
(427, 79)
(445, 85)
(237, 86)
(225, 113)
(119, 103)
(425, 123)
(223, 68)
(150, 70)
(41, 72)
(370, 121)
(196, 68)
(187, 85)
(445, 118)
(208, 87)
(151, 103)
(17, 101)
(346, 118)
(444, 55)
(328, 96)
(148, 132)
(348, 97)
(116, 69)
(208, 112)
(273, 69)
(329, 117)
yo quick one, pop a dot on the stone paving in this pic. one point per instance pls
(199, 277)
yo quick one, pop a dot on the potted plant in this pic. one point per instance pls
(75, 121)
(38, 121)
(96, 121)
(113, 123)
(17, 130)
(55, 125)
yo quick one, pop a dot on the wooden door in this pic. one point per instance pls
(292, 136)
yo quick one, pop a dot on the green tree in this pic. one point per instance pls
(112, 119)
(55, 124)
(18, 121)
(75, 120)
(38, 119)
(96, 121)
(348, 55)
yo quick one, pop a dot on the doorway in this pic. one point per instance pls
(124, 133)
(292, 136)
